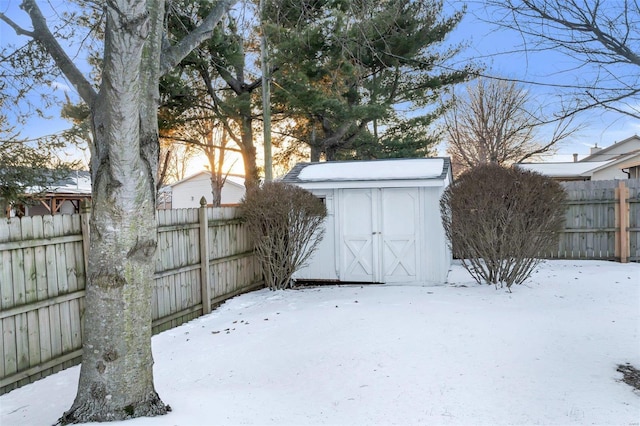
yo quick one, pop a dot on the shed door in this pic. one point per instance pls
(400, 227)
(378, 234)
(358, 219)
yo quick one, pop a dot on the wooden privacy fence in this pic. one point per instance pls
(602, 221)
(204, 257)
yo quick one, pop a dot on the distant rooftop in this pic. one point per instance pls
(562, 169)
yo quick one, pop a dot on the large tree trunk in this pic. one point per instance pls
(116, 377)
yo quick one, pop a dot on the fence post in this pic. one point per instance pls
(85, 213)
(204, 257)
(622, 193)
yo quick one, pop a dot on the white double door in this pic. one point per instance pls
(378, 234)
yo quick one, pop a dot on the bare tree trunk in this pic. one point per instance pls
(316, 151)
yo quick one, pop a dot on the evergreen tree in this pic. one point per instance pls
(347, 68)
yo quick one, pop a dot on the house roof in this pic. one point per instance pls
(77, 182)
(582, 169)
(332, 173)
(563, 170)
(234, 180)
(623, 162)
(605, 151)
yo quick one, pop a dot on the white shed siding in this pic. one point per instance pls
(322, 264)
(437, 256)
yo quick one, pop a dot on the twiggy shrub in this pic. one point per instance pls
(284, 222)
(499, 222)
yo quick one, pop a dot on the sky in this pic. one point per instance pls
(453, 354)
(501, 52)
(485, 44)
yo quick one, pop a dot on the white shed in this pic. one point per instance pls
(383, 223)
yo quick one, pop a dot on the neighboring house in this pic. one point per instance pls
(383, 221)
(188, 192)
(618, 161)
(63, 197)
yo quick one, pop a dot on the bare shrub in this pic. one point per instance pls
(284, 222)
(499, 221)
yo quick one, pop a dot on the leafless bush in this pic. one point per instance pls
(500, 220)
(284, 221)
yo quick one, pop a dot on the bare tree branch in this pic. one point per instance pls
(496, 123)
(17, 28)
(602, 35)
(172, 55)
(42, 35)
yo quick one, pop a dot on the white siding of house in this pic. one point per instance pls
(232, 193)
(187, 193)
(613, 172)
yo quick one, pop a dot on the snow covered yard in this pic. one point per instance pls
(455, 354)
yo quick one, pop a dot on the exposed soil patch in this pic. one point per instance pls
(631, 375)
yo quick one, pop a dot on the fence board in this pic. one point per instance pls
(10, 349)
(40, 259)
(50, 255)
(22, 342)
(2, 352)
(17, 261)
(56, 335)
(46, 353)
(60, 257)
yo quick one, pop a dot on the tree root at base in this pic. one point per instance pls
(91, 410)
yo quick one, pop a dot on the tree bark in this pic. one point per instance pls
(252, 178)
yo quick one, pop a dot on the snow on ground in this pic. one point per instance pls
(363, 355)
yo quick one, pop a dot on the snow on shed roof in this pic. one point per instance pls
(388, 169)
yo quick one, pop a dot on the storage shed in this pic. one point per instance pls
(383, 223)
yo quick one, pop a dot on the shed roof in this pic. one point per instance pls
(387, 170)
